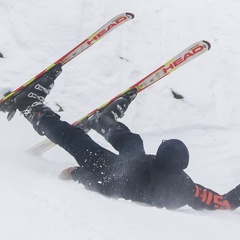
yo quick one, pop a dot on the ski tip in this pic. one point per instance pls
(130, 15)
(208, 44)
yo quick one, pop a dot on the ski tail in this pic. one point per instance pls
(185, 56)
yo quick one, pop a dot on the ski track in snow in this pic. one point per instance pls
(34, 203)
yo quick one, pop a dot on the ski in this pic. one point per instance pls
(7, 102)
(179, 60)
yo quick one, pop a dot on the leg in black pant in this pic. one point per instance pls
(100, 169)
(87, 152)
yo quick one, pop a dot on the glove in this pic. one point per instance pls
(66, 174)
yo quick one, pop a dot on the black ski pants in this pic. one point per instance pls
(100, 164)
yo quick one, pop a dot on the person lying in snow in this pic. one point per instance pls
(158, 180)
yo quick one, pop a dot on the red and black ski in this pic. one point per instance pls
(7, 104)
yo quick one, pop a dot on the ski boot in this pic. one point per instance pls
(104, 120)
(32, 94)
(30, 101)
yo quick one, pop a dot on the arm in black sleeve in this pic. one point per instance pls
(208, 199)
(233, 197)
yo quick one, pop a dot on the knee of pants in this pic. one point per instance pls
(72, 139)
(124, 141)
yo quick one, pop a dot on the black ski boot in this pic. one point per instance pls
(33, 94)
(30, 101)
(103, 121)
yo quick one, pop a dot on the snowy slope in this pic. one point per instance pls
(34, 203)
